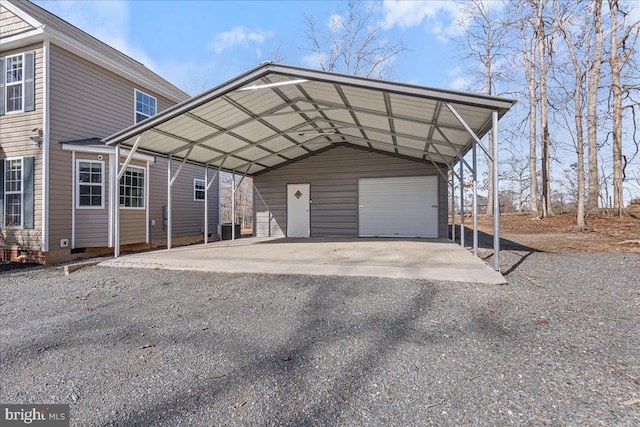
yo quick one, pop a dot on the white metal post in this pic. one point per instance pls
(233, 206)
(453, 206)
(496, 202)
(475, 198)
(462, 204)
(206, 204)
(115, 199)
(169, 203)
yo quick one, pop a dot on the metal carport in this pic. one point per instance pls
(274, 114)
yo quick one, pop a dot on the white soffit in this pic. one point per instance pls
(275, 114)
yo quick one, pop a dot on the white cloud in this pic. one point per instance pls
(458, 81)
(335, 22)
(443, 19)
(314, 60)
(238, 36)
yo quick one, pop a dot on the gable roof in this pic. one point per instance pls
(60, 32)
(276, 114)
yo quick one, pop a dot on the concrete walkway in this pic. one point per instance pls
(430, 259)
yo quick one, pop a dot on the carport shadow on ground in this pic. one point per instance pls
(485, 241)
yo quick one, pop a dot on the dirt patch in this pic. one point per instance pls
(561, 234)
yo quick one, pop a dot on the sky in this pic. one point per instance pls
(197, 45)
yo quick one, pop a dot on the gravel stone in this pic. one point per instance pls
(558, 345)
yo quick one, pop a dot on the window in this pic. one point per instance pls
(145, 106)
(15, 81)
(132, 188)
(17, 85)
(13, 193)
(16, 192)
(90, 184)
(198, 189)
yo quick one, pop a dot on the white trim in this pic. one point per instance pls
(77, 183)
(74, 195)
(135, 106)
(204, 189)
(46, 127)
(112, 178)
(22, 14)
(101, 149)
(20, 40)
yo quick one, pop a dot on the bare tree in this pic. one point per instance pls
(593, 80)
(564, 26)
(619, 56)
(484, 43)
(522, 19)
(353, 42)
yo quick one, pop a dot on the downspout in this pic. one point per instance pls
(45, 144)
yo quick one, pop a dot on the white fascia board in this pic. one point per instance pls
(21, 14)
(110, 64)
(17, 41)
(106, 150)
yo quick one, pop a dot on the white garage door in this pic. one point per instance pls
(398, 207)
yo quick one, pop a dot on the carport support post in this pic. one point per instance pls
(206, 204)
(462, 204)
(453, 206)
(115, 200)
(474, 153)
(169, 203)
(233, 206)
(496, 202)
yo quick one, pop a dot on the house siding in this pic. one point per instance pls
(333, 176)
(188, 215)
(11, 24)
(15, 130)
(86, 101)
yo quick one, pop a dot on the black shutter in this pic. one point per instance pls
(3, 96)
(1, 193)
(28, 182)
(29, 81)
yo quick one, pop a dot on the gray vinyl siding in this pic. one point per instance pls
(188, 215)
(11, 24)
(15, 129)
(333, 176)
(86, 101)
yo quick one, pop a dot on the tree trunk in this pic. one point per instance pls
(490, 164)
(593, 79)
(616, 92)
(547, 211)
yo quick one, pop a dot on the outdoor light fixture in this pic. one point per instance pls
(264, 86)
(37, 138)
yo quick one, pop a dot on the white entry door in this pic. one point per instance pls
(298, 216)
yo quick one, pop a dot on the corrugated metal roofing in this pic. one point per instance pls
(275, 114)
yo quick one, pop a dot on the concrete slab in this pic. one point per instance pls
(431, 259)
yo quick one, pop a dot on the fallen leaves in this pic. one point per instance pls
(540, 322)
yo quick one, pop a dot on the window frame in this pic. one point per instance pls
(21, 83)
(196, 190)
(101, 184)
(13, 193)
(143, 188)
(135, 106)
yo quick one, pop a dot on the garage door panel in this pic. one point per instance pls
(398, 207)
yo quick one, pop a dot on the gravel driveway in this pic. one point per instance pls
(558, 345)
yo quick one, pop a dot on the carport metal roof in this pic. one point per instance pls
(276, 114)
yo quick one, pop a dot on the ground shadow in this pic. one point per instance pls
(485, 241)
